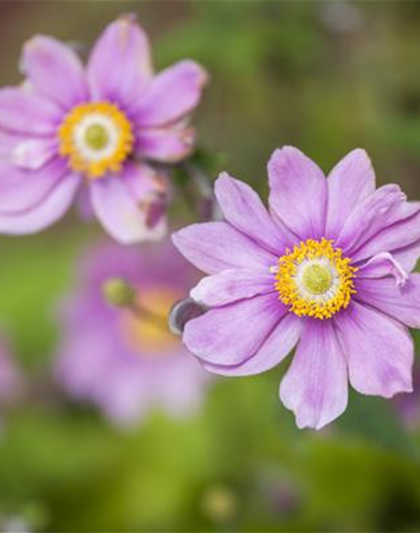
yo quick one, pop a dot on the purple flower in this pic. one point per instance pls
(126, 363)
(326, 270)
(69, 130)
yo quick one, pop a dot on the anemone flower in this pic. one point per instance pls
(69, 130)
(327, 269)
(127, 363)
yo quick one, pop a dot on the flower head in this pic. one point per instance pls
(92, 131)
(123, 358)
(326, 270)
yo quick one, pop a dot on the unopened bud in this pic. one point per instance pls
(182, 312)
(118, 292)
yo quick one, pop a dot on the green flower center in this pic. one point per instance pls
(317, 278)
(96, 137)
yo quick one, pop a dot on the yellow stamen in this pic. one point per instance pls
(92, 151)
(314, 279)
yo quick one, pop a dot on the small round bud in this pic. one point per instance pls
(182, 312)
(118, 292)
(220, 503)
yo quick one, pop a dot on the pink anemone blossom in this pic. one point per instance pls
(123, 362)
(326, 270)
(69, 130)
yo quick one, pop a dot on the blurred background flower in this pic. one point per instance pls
(324, 76)
(124, 358)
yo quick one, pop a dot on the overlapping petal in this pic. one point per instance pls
(379, 351)
(54, 70)
(298, 192)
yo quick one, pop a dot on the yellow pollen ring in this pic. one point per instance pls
(97, 138)
(314, 279)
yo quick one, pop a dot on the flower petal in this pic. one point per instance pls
(315, 386)
(350, 181)
(21, 190)
(379, 351)
(171, 95)
(278, 345)
(216, 246)
(32, 154)
(381, 265)
(230, 286)
(242, 207)
(394, 237)
(25, 112)
(45, 213)
(168, 145)
(121, 214)
(119, 65)
(408, 256)
(384, 207)
(298, 192)
(229, 335)
(399, 302)
(54, 70)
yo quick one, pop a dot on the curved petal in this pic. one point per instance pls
(315, 386)
(32, 154)
(25, 112)
(216, 246)
(168, 145)
(298, 192)
(379, 351)
(54, 70)
(386, 206)
(229, 335)
(232, 285)
(398, 235)
(278, 345)
(382, 265)
(21, 190)
(45, 213)
(408, 256)
(399, 302)
(241, 206)
(119, 65)
(171, 95)
(121, 214)
(350, 181)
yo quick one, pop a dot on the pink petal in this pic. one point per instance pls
(171, 95)
(298, 192)
(229, 335)
(394, 237)
(32, 154)
(232, 285)
(399, 302)
(119, 65)
(379, 351)
(241, 206)
(168, 145)
(315, 386)
(350, 181)
(278, 345)
(381, 265)
(216, 246)
(120, 213)
(21, 190)
(45, 213)
(54, 70)
(25, 112)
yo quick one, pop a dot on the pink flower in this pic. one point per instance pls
(327, 269)
(128, 364)
(68, 129)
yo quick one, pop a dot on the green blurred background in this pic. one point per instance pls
(325, 76)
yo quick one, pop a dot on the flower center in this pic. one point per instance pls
(148, 333)
(314, 279)
(97, 138)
